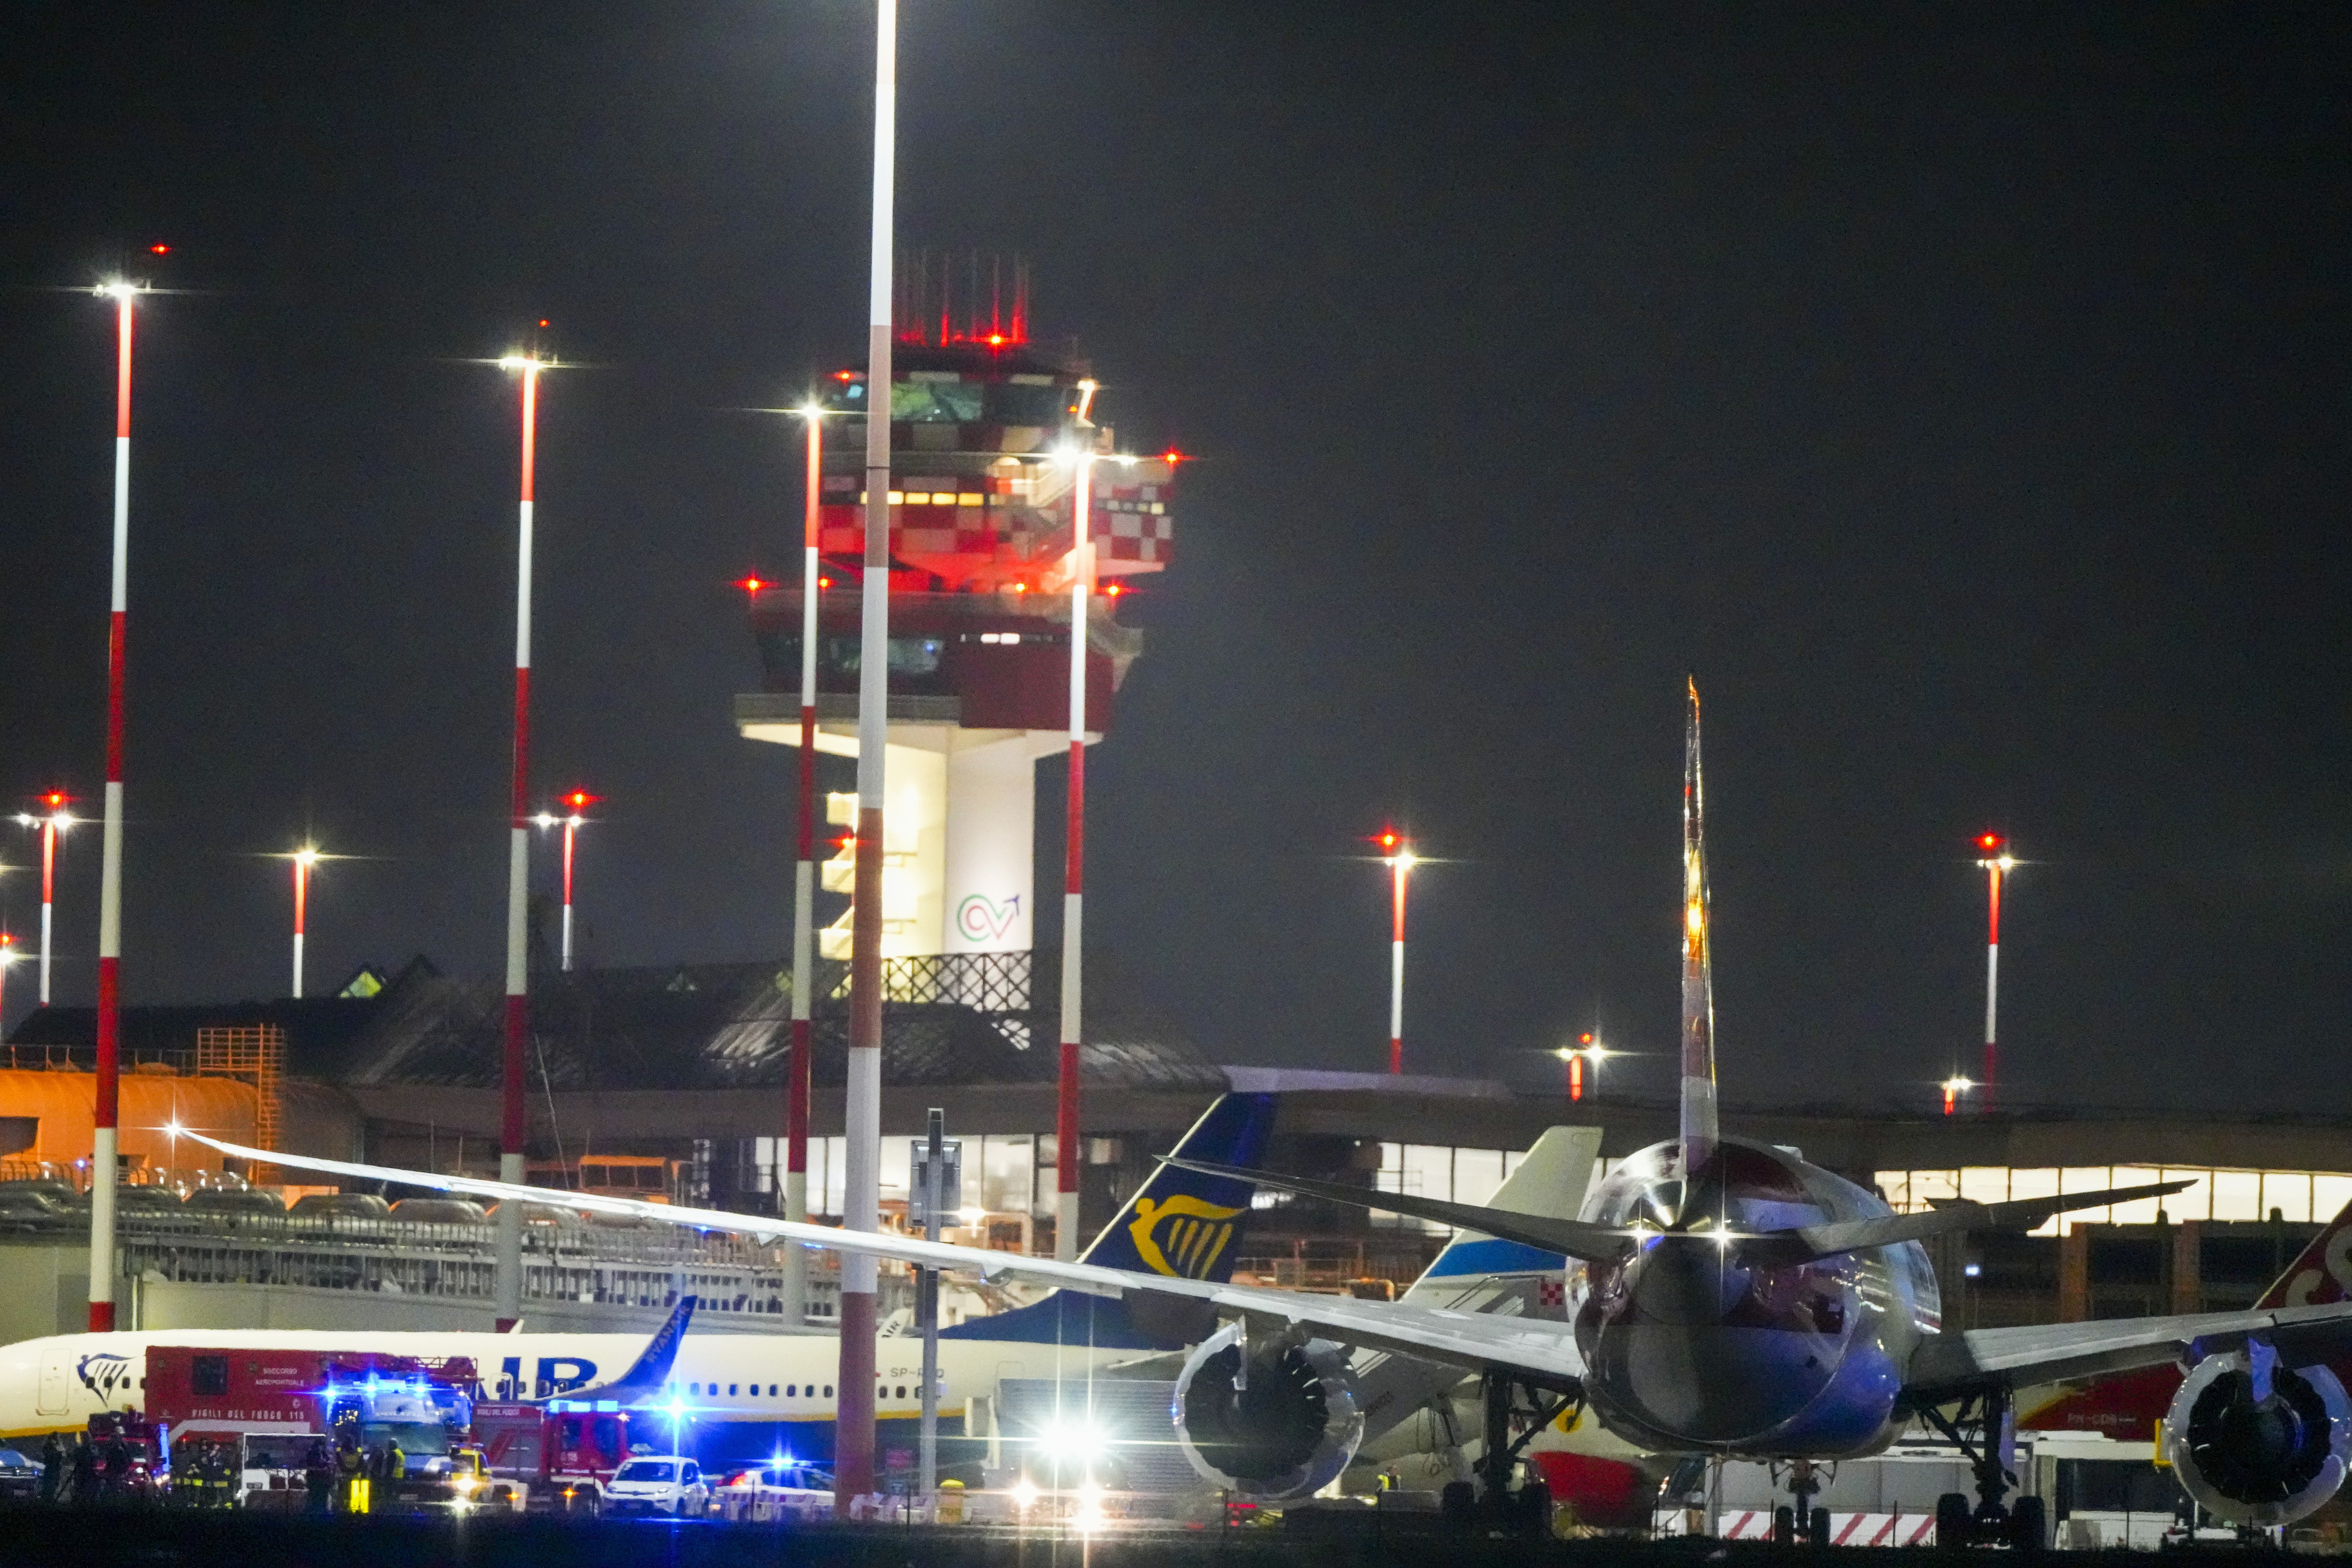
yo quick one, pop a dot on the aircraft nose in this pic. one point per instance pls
(1688, 1280)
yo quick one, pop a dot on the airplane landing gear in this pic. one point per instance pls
(1800, 1520)
(2023, 1525)
(1527, 1510)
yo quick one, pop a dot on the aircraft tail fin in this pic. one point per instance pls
(1548, 1183)
(1182, 1223)
(649, 1373)
(1699, 1131)
(2321, 1273)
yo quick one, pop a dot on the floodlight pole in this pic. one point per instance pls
(570, 836)
(1400, 864)
(1074, 886)
(927, 1301)
(518, 1019)
(103, 1175)
(861, 1197)
(48, 900)
(50, 824)
(303, 860)
(1996, 860)
(797, 1070)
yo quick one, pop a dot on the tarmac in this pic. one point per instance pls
(135, 1538)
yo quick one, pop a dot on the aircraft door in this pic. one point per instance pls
(56, 1394)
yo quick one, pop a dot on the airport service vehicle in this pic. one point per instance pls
(769, 1494)
(566, 1454)
(669, 1484)
(1727, 1299)
(20, 1478)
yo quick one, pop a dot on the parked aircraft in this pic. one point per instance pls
(1733, 1301)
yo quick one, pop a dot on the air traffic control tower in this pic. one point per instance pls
(984, 431)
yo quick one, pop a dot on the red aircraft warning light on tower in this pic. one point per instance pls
(1016, 525)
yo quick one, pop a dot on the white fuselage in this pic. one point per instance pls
(58, 1383)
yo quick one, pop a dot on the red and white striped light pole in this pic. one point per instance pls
(53, 820)
(305, 859)
(517, 1015)
(797, 1071)
(862, 1113)
(1954, 1087)
(1083, 587)
(1995, 858)
(8, 957)
(1587, 1048)
(103, 1175)
(575, 804)
(1400, 860)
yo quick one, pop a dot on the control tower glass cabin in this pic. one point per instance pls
(982, 509)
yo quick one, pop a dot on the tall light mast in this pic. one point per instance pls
(862, 1126)
(304, 859)
(575, 803)
(52, 820)
(798, 1070)
(518, 1019)
(1995, 859)
(1074, 853)
(103, 1173)
(1400, 860)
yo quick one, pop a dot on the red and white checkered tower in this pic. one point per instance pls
(1000, 474)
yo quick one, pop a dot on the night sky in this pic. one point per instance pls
(1958, 392)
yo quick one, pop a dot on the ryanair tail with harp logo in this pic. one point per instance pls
(1180, 1223)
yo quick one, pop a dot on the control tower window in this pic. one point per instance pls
(936, 402)
(909, 656)
(1010, 403)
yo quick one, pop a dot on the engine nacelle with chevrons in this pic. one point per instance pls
(2261, 1461)
(1286, 1433)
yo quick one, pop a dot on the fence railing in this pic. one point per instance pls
(732, 1276)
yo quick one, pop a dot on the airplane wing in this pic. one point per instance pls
(1809, 1242)
(2048, 1352)
(1542, 1352)
(1592, 1243)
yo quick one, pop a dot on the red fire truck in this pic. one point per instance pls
(565, 1452)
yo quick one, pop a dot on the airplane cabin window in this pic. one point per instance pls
(828, 1391)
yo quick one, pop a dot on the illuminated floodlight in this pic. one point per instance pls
(519, 362)
(120, 289)
(1024, 1492)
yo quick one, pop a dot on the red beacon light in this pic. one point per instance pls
(578, 799)
(159, 250)
(752, 584)
(1990, 843)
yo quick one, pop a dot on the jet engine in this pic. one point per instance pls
(2259, 1455)
(1284, 1431)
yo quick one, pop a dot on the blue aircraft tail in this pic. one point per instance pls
(1178, 1223)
